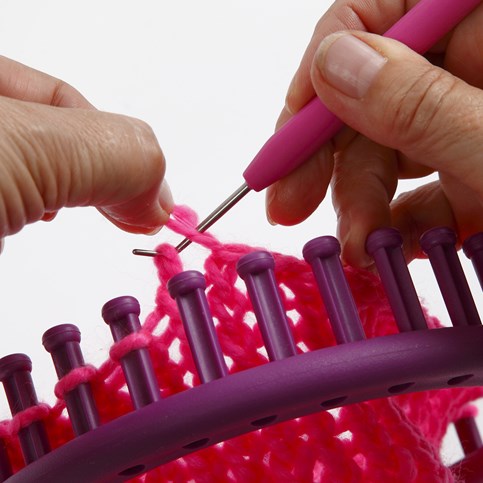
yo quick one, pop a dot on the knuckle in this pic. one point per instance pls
(417, 108)
(20, 196)
(60, 92)
(64, 95)
(350, 17)
(151, 150)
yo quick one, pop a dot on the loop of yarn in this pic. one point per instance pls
(396, 439)
(183, 220)
(168, 262)
(28, 416)
(77, 376)
(5, 429)
(134, 341)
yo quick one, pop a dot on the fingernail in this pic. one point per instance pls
(166, 201)
(290, 91)
(49, 215)
(352, 253)
(155, 231)
(269, 218)
(269, 196)
(166, 204)
(282, 118)
(348, 64)
(343, 229)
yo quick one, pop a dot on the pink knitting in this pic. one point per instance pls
(396, 439)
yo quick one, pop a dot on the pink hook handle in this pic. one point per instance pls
(315, 125)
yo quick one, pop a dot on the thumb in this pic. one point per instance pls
(59, 157)
(395, 97)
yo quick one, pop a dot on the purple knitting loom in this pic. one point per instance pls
(224, 405)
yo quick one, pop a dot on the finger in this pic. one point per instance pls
(49, 215)
(372, 16)
(136, 215)
(441, 203)
(466, 205)
(363, 184)
(458, 52)
(463, 49)
(392, 95)
(293, 198)
(419, 210)
(26, 84)
(408, 169)
(51, 158)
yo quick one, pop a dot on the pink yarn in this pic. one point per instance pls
(79, 375)
(137, 340)
(396, 439)
(28, 416)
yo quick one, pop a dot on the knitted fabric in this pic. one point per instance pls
(396, 439)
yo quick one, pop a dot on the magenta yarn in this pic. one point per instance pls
(395, 439)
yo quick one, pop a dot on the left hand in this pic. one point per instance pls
(56, 150)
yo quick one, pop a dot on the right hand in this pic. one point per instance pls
(407, 125)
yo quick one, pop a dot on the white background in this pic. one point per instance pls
(210, 78)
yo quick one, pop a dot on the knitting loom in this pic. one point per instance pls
(291, 385)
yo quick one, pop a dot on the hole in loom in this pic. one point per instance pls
(294, 316)
(264, 421)
(134, 470)
(188, 379)
(228, 361)
(263, 352)
(303, 347)
(196, 444)
(400, 387)
(459, 379)
(216, 321)
(249, 319)
(124, 391)
(162, 325)
(287, 292)
(345, 436)
(229, 310)
(333, 402)
(174, 350)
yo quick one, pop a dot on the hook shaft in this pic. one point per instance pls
(212, 218)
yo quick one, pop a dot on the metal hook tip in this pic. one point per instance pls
(144, 253)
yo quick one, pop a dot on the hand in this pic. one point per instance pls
(56, 150)
(407, 118)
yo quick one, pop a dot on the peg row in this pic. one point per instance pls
(377, 359)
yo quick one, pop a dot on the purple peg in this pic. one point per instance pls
(63, 344)
(15, 375)
(385, 246)
(5, 466)
(473, 248)
(323, 254)
(122, 316)
(188, 289)
(440, 246)
(256, 270)
(468, 434)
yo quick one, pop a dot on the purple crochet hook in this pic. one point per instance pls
(314, 125)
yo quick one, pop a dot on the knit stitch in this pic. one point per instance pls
(396, 439)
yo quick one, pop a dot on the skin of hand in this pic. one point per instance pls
(406, 115)
(57, 150)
